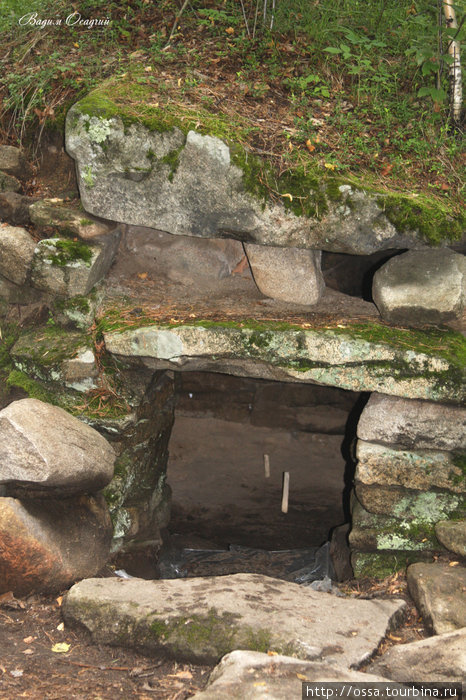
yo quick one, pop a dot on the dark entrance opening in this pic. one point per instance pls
(226, 430)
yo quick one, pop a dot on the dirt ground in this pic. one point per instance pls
(29, 668)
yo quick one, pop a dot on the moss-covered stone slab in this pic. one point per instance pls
(376, 533)
(187, 172)
(422, 470)
(45, 352)
(68, 268)
(67, 220)
(358, 357)
(204, 618)
(429, 506)
(412, 424)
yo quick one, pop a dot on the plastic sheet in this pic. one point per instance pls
(302, 566)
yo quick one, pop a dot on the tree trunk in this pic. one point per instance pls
(456, 96)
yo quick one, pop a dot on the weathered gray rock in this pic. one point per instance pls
(13, 162)
(289, 274)
(438, 592)
(428, 506)
(17, 293)
(80, 372)
(375, 532)
(204, 618)
(325, 356)
(14, 208)
(70, 268)
(421, 287)
(452, 534)
(47, 545)
(437, 659)
(252, 675)
(190, 184)
(423, 469)
(8, 183)
(182, 259)
(412, 424)
(46, 451)
(68, 221)
(16, 252)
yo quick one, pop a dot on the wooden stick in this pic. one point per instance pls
(267, 466)
(285, 491)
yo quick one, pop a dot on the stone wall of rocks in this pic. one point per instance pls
(410, 478)
(409, 485)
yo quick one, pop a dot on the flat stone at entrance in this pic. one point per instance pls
(252, 675)
(204, 618)
(441, 658)
(438, 591)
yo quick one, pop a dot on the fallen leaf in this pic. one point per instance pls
(230, 30)
(181, 674)
(310, 146)
(28, 651)
(453, 563)
(17, 672)
(59, 600)
(61, 627)
(29, 640)
(61, 647)
(386, 169)
(330, 166)
(180, 80)
(142, 275)
(148, 69)
(301, 677)
(272, 653)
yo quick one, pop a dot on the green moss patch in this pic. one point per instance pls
(433, 220)
(62, 252)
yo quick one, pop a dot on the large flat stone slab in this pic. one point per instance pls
(412, 424)
(204, 618)
(45, 451)
(437, 659)
(350, 357)
(438, 591)
(165, 175)
(252, 675)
